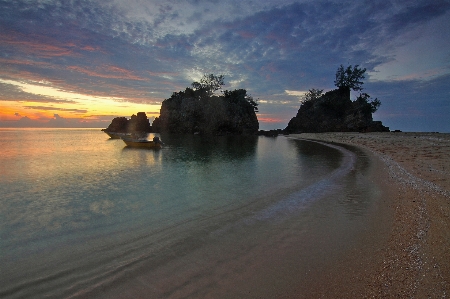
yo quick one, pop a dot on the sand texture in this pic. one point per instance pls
(414, 261)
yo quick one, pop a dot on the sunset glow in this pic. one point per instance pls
(68, 105)
(84, 64)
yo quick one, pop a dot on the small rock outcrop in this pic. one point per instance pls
(117, 125)
(194, 112)
(335, 112)
(137, 123)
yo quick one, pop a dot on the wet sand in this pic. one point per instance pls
(413, 258)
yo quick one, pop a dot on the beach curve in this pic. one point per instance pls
(414, 261)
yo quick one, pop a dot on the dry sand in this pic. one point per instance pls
(414, 261)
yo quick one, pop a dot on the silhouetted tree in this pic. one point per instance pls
(240, 96)
(312, 94)
(369, 105)
(350, 77)
(209, 83)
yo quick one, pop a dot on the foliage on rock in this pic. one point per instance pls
(350, 77)
(199, 110)
(334, 111)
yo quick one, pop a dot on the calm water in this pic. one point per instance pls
(84, 216)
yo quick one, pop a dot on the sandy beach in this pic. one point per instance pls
(413, 260)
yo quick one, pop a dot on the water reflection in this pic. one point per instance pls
(313, 151)
(359, 190)
(80, 205)
(207, 148)
(141, 156)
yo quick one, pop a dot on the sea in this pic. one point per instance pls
(84, 216)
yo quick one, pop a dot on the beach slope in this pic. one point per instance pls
(415, 260)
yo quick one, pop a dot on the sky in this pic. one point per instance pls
(80, 63)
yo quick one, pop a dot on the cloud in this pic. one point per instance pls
(156, 19)
(416, 13)
(413, 105)
(4, 61)
(110, 72)
(48, 91)
(49, 108)
(297, 93)
(59, 122)
(11, 92)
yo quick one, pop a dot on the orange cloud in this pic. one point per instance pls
(270, 119)
(42, 46)
(34, 47)
(109, 72)
(23, 62)
(90, 48)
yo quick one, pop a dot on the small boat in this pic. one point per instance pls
(143, 143)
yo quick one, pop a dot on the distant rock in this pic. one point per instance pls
(334, 112)
(194, 112)
(118, 125)
(137, 123)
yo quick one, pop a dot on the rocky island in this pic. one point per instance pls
(198, 110)
(136, 124)
(334, 111)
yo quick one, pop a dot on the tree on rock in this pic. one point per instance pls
(367, 104)
(350, 77)
(198, 110)
(312, 94)
(209, 83)
(334, 111)
(241, 96)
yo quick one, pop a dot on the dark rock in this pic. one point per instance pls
(118, 125)
(137, 123)
(270, 133)
(334, 112)
(189, 112)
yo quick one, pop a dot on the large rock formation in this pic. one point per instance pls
(137, 123)
(335, 112)
(194, 112)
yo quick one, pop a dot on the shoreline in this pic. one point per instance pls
(415, 258)
(283, 257)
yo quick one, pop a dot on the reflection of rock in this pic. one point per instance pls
(137, 123)
(334, 112)
(201, 149)
(270, 133)
(188, 112)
